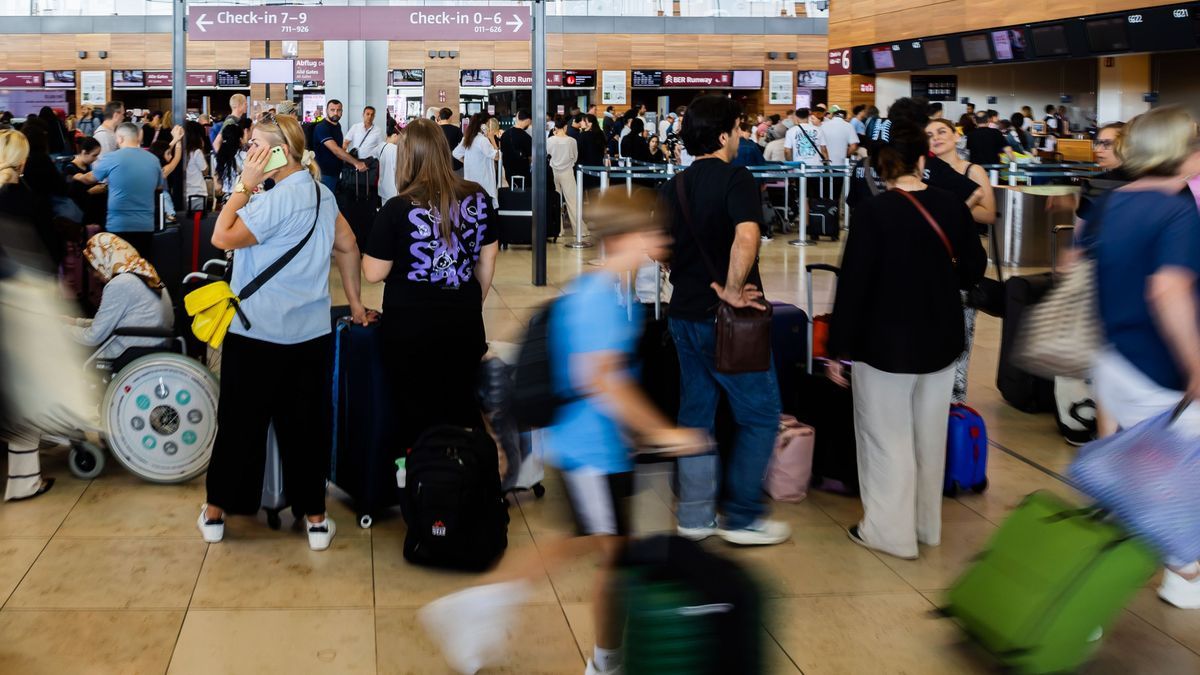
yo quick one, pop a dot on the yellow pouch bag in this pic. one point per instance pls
(212, 308)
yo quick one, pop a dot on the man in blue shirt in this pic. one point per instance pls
(327, 146)
(592, 342)
(748, 152)
(133, 176)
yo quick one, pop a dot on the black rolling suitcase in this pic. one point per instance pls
(516, 213)
(829, 410)
(1024, 391)
(364, 456)
(358, 199)
(824, 218)
(789, 347)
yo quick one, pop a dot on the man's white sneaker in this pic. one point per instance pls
(593, 670)
(213, 531)
(320, 535)
(696, 533)
(761, 532)
(1180, 592)
(471, 626)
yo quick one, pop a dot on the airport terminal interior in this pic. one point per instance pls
(104, 571)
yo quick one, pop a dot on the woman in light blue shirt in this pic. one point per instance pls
(275, 366)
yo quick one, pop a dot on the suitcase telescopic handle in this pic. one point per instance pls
(809, 269)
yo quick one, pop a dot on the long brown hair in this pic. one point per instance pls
(424, 174)
(474, 128)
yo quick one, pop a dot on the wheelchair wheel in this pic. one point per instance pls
(86, 461)
(160, 413)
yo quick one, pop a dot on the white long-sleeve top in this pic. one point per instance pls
(563, 152)
(479, 163)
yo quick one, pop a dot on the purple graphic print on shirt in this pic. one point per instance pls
(440, 263)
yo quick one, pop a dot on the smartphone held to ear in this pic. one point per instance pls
(277, 160)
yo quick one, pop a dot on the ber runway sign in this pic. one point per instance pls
(306, 22)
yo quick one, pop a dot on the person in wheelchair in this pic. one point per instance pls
(134, 297)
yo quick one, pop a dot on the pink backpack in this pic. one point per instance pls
(790, 469)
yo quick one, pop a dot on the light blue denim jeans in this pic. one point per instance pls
(754, 398)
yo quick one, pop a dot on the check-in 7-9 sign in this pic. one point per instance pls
(307, 22)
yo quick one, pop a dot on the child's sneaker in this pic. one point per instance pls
(320, 535)
(471, 626)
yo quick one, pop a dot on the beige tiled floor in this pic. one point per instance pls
(109, 576)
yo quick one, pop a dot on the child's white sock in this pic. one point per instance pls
(606, 659)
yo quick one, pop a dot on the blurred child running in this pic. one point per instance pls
(592, 342)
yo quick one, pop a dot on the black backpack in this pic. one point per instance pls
(534, 399)
(457, 518)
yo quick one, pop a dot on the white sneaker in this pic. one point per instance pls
(593, 670)
(761, 532)
(696, 533)
(213, 531)
(471, 626)
(1180, 592)
(320, 535)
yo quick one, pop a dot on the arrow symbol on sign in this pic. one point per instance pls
(516, 23)
(201, 23)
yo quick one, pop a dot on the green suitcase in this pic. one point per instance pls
(1050, 583)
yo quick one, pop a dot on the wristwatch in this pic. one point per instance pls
(240, 188)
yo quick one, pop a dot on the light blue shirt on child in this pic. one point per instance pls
(292, 307)
(588, 320)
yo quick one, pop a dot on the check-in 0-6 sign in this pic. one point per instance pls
(305, 22)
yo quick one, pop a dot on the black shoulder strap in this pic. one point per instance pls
(265, 276)
(686, 211)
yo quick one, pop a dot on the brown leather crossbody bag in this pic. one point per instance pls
(743, 333)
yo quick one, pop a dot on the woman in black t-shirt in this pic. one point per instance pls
(898, 317)
(434, 246)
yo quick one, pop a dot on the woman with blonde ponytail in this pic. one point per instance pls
(30, 234)
(275, 365)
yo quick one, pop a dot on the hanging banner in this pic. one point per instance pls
(612, 87)
(839, 62)
(308, 22)
(779, 83)
(93, 87)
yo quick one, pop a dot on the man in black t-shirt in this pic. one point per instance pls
(985, 144)
(716, 218)
(454, 135)
(516, 147)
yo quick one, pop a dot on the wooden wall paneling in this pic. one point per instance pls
(715, 52)
(517, 56)
(750, 51)
(683, 50)
(645, 50)
(475, 55)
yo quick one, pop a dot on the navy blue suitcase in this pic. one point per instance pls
(789, 347)
(364, 456)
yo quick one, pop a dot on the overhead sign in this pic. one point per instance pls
(305, 22)
(310, 70)
(233, 78)
(17, 79)
(524, 78)
(579, 79)
(780, 87)
(700, 78)
(935, 87)
(647, 78)
(839, 62)
(165, 78)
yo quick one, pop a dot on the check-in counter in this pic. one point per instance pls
(1028, 214)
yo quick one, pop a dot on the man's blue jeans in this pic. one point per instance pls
(330, 182)
(754, 398)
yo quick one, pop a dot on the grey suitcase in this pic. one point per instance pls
(274, 500)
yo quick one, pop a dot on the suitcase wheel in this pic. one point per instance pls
(980, 488)
(273, 520)
(86, 460)
(539, 490)
(365, 521)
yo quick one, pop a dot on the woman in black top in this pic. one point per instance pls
(592, 148)
(898, 317)
(655, 151)
(91, 199)
(633, 146)
(434, 246)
